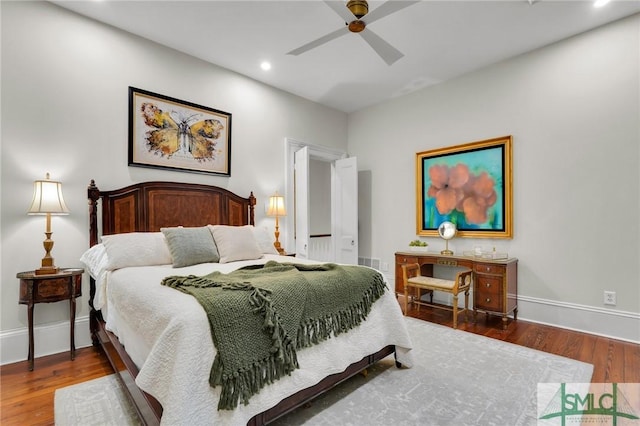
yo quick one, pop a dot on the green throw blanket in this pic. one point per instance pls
(260, 315)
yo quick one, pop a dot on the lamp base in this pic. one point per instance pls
(47, 270)
(447, 252)
(279, 249)
(276, 244)
(47, 267)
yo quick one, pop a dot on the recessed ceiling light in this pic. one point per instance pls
(266, 66)
(600, 3)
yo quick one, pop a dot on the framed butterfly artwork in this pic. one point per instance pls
(172, 134)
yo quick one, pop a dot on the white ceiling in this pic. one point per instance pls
(440, 39)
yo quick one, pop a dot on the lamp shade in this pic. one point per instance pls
(47, 198)
(276, 206)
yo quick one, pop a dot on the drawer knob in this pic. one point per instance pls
(488, 300)
(488, 285)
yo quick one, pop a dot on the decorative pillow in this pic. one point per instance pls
(190, 246)
(265, 240)
(235, 242)
(136, 249)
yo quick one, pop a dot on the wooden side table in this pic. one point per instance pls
(63, 285)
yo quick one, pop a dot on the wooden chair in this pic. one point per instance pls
(413, 279)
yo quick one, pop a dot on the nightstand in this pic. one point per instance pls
(66, 284)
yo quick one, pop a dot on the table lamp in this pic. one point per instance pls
(47, 200)
(276, 208)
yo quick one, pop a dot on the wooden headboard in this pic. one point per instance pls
(149, 206)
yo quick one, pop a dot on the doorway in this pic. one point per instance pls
(321, 193)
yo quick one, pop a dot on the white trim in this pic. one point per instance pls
(48, 339)
(315, 151)
(610, 323)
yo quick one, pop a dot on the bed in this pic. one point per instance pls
(138, 323)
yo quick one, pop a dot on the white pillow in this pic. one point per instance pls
(136, 249)
(96, 260)
(265, 240)
(235, 243)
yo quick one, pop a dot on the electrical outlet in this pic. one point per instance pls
(384, 266)
(610, 298)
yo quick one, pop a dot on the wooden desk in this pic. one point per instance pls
(495, 282)
(66, 284)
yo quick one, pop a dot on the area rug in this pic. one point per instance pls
(96, 402)
(459, 379)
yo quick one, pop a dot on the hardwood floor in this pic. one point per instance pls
(27, 396)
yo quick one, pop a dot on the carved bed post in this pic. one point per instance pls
(252, 204)
(93, 194)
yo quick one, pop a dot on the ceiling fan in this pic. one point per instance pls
(359, 9)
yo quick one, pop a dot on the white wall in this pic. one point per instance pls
(573, 110)
(64, 111)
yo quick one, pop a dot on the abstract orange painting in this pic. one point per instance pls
(469, 185)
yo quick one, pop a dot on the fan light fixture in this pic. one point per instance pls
(47, 200)
(359, 8)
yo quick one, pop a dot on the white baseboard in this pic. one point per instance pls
(54, 338)
(48, 339)
(611, 323)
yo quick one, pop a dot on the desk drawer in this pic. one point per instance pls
(488, 293)
(487, 268)
(489, 303)
(489, 285)
(400, 259)
(52, 289)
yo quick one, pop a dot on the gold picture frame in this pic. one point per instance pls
(469, 185)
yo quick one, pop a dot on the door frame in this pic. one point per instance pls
(317, 152)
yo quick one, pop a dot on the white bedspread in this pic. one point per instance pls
(167, 334)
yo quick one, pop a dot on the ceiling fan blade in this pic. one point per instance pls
(386, 9)
(340, 8)
(387, 52)
(319, 42)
